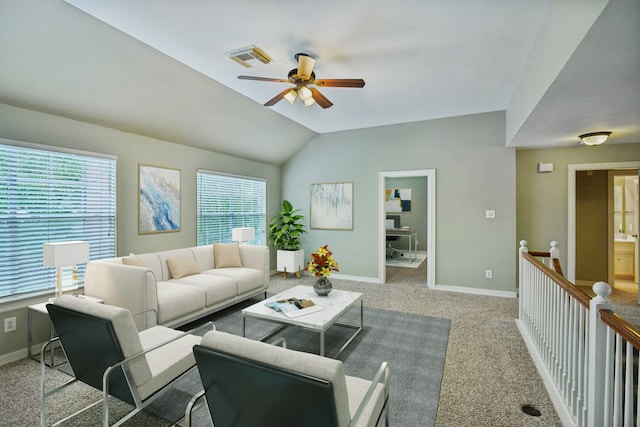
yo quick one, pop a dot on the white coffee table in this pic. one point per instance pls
(333, 306)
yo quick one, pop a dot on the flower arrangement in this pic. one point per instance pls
(322, 262)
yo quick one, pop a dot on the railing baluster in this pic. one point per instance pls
(628, 385)
(617, 380)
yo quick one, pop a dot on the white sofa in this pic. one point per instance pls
(174, 287)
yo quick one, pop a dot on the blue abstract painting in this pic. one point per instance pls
(332, 206)
(158, 199)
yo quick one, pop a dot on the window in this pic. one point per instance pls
(227, 201)
(51, 196)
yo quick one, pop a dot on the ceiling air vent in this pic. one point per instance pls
(245, 54)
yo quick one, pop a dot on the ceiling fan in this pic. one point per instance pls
(303, 77)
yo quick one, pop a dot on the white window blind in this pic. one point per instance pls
(51, 196)
(225, 202)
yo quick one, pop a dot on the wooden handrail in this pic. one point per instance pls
(540, 253)
(556, 261)
(557, 267)
(574, 291)
(620, 326)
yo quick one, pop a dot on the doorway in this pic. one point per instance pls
(430, 175)
(625, 167)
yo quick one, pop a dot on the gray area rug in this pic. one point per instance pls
(415, 347)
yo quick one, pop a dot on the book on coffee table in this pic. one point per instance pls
(294, 307)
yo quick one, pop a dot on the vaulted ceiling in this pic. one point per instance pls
(161, 68)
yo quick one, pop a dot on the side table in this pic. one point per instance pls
(41, 309)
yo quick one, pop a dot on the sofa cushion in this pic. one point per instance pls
(181, 267)
(163, 256)
(133, 260)
(153, 262)
(217, 288)
(175, 301)
(203, 256)
(246, 279)
(226, 255)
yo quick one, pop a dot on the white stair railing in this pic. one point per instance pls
(586, 350)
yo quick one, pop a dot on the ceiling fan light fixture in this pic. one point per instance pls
(291, 96)
(308, 102)
(594, 138)
(305, 93)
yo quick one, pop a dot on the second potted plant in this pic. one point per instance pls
(285, 230)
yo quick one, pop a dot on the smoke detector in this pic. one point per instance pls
(249, 53)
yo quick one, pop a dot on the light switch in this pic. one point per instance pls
(490, 214)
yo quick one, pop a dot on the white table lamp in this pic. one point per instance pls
(243, 234)
(65, 254)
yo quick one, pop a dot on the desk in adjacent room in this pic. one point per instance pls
(413, 239)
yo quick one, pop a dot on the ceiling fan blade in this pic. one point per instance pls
(340, 82)
(263, 79)
(305, 65)
(278, 97)
(320, 99)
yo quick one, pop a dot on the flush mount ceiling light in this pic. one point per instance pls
(594, 138)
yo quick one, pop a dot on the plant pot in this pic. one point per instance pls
(291, 262)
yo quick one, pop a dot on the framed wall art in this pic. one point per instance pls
(398, 200)
(332, 206)
(158, 199)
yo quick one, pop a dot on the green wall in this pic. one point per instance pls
(474, 172)
(542, 198)
(131, 149)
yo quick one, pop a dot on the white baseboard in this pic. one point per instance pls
(488, 292)
(554, 394)
(356, 278)
(13, 357)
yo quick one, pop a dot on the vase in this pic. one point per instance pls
(322, 286)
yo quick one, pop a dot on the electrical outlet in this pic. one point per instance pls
(488, 274)
(9, 324)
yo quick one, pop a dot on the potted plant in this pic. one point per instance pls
(285, 230)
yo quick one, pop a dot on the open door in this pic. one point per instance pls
(430, 175)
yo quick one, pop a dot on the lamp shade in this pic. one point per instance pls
(242, 234)
(65, 254)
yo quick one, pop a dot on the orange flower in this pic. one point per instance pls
(322, 262)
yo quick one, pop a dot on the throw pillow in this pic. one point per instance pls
(226, 255)
(181, 267)
(134, 260)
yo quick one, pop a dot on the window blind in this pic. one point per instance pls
(51, 196)
(228, 201)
